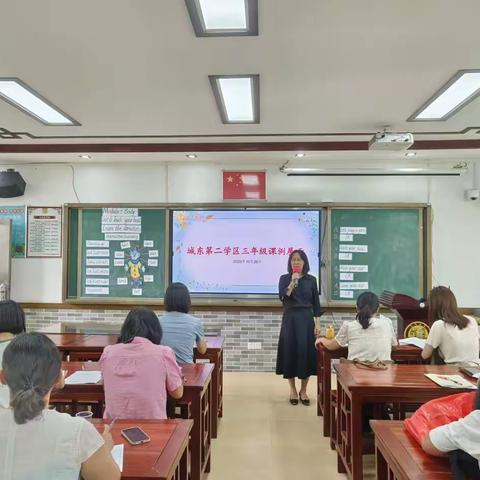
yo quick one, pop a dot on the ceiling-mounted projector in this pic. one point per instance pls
(391, 141)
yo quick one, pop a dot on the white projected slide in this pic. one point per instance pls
(240, 251)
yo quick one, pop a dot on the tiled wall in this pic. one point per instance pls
(238, 328)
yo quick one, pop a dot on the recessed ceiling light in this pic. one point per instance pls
(460, 90)
(299, 155)
(223, 17)
(191, 155)
(237, 97)
(410, 154)
(20, 95)
(85, 156)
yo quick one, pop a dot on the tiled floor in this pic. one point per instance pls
(262, 436)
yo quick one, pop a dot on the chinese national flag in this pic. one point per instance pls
(244, 185)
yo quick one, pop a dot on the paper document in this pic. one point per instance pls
(451, 381)
(416, 342)
(83, 376)
(117, 454)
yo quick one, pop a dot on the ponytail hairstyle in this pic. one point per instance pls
(442, 305)
(31, 366)
(367, 306)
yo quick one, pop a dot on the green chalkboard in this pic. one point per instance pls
(376, 249)
(116, 253)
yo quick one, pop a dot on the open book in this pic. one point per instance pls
(451, 381)
(417, 342)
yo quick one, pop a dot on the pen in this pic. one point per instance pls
(112, 423)
(451, 380)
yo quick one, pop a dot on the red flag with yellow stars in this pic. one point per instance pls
(244, 185)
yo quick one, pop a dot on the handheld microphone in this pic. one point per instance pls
(296, 269)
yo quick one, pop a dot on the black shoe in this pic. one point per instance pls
(305, 401)
(294, 401)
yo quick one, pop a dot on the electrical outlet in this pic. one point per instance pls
(254, 345)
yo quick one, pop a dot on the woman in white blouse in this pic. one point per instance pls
(369, 337)
(455, 335)
(39, 443)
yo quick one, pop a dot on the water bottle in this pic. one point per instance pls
(3, 291)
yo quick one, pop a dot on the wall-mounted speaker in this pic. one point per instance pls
(11, 184)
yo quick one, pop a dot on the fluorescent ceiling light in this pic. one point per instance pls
(370, 172)
(237, 97)
(191, 155)
(20, 95)
(410, 154)
(223, 17)
(224, 14)
(299, 155)
(460, 90)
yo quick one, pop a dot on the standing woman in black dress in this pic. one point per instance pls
(296, 355)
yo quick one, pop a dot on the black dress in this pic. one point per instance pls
(296, 355)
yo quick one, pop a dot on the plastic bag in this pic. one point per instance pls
(438, 412)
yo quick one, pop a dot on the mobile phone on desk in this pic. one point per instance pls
(135, 435)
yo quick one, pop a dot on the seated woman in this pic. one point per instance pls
(12, 322)
(461, 440)
(181, 330)
(455, 335)
(138, 371)
(36, 442)
(369, 338)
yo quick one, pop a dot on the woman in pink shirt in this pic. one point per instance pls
(138, 371)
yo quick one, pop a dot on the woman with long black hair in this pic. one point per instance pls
(296, 356)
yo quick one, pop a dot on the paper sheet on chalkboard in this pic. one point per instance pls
(346, 294)
(354, 248)
(98, 271)
(98, 243)
(346, 276)
(353, 285)
(354, 230)
(346, 237)
(98, 262)
(97, 290)
(153, 262)
(354, 268)
(98, 253)
(344, 256)
(97, 281)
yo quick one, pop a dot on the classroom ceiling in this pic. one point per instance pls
(134, 72)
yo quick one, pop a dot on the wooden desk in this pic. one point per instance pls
(214, 354)
(81, 348)
(400, 457)
(197, 392)
(165, 457)
(400, 384)
(400, 354)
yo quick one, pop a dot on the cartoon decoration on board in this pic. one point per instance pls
(134, 267)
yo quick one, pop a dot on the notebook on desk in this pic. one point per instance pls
(471, 371)
(450, 381)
